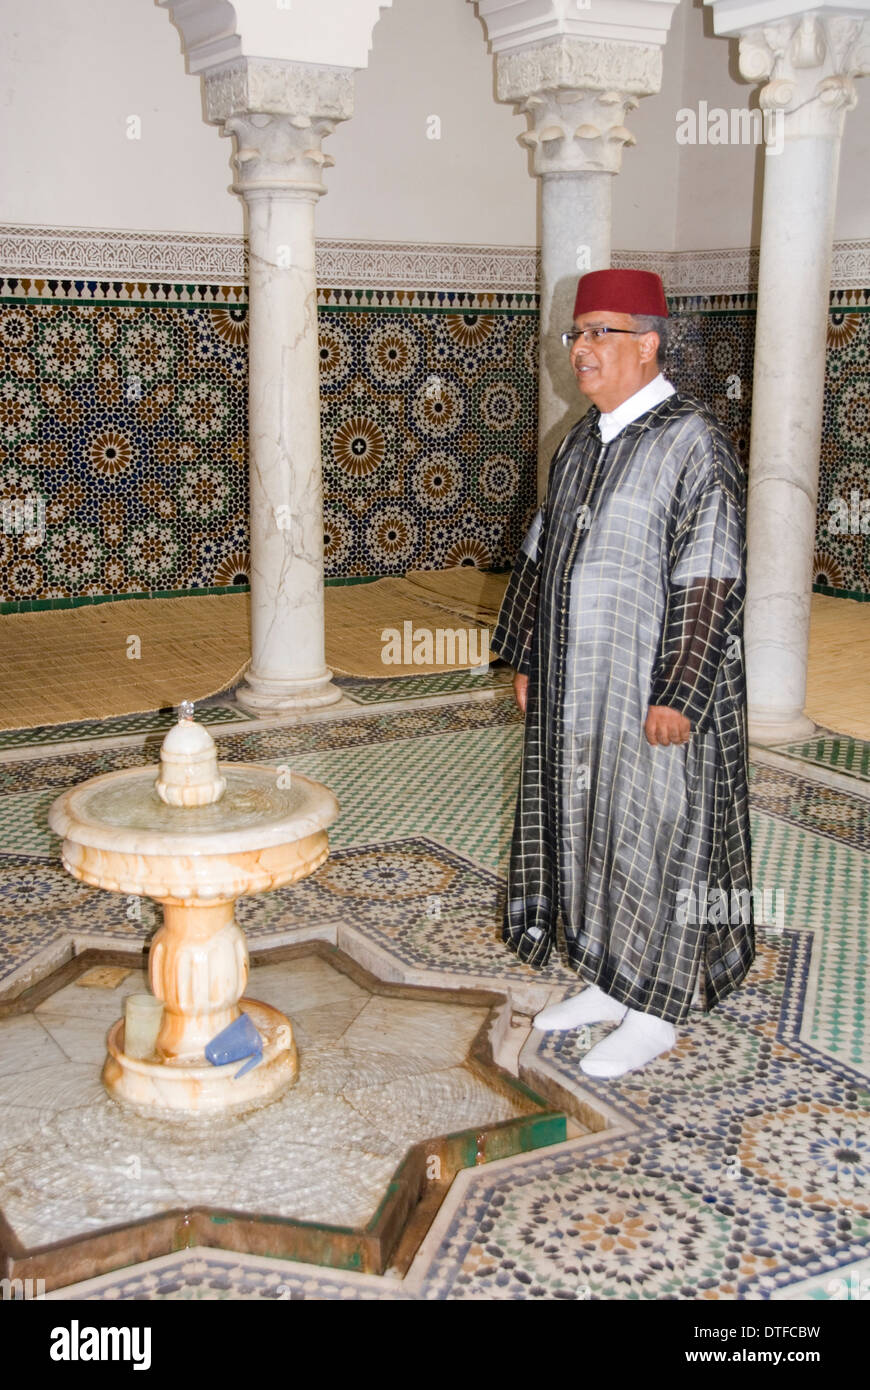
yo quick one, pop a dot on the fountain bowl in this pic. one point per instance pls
(195, 838)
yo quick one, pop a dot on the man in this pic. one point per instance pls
(623, 622)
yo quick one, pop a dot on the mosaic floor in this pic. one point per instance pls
(839, 752)
(736, 1167)
(154, 722)
(379, 692)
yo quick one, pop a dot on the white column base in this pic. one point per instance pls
(778, 728)
(260, 695)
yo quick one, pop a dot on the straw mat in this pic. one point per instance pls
(838, 674)
(358, 616)
(70, 664)
(463, 589)
(108, 659)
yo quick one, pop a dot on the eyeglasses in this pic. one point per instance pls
(590, 335)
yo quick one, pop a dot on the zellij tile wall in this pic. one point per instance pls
(711, 357)
(123, 432)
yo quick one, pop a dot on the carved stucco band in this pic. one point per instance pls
(576, 93)
(106, 254)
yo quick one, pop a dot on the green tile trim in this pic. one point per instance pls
(520, 1135)
(685, 304)
(693, 303)
(39, 605)
(335, 581)
(369, 1248)
(367, 298)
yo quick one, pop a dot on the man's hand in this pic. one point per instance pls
(666, 726)
(521, 690)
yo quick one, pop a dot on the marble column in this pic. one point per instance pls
(811, 60)
(576, 93)
(278, 114)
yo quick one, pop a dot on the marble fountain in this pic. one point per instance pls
(195, 838)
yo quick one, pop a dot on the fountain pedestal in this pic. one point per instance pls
(195, 840)
(199, 968)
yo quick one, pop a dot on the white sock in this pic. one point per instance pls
(592, 1006)
(641, 1038)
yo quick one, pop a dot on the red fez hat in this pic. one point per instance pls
(621, 292)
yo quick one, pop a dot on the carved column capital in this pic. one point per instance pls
(279, 113)
(811, 61)
(576, 93)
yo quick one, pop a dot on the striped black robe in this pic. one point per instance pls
(629, 592)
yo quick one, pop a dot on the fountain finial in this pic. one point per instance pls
(189, 773)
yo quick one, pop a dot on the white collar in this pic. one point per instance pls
(655, 391)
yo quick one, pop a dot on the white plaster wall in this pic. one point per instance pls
(853, 198)
(720, 185)
(390, 181)
(473, 185)
(72, 74)
(645, 193)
